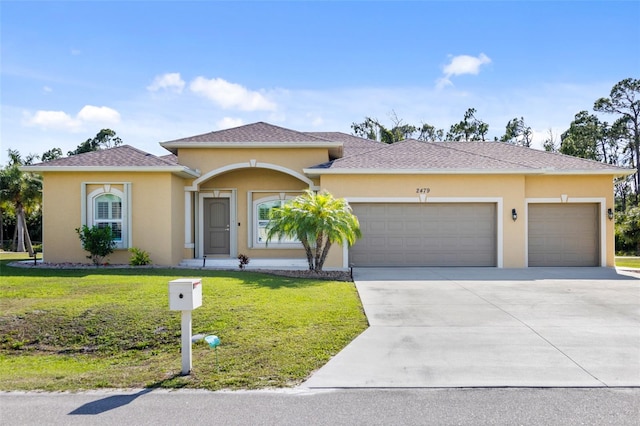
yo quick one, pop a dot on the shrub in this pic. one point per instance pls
(97, 241)
(139, 257)
(244, 261)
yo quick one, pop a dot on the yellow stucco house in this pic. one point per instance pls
(418, 203)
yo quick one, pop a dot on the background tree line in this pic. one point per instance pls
(588, 136)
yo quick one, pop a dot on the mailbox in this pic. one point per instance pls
(185, 294)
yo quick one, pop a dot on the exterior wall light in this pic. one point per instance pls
(610, 214)
(514, 214)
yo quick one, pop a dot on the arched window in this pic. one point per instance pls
(109, 206)
(108, 212)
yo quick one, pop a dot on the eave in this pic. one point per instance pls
(550, 172)
(174, 146)
(181, 171)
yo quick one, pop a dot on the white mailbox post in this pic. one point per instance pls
(185, 295)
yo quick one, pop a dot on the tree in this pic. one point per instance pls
(624, 101)
(52, 154)
(106, 138)
(20, 191)
(371, 128)
(430, 133)
(550, 144)
(400, 131)
(469, 129)
(628, 229)
(517, 133)
(583, 137)
(317, 221)
(97, 241)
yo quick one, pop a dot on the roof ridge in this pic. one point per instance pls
(305, 136)
(290, 130)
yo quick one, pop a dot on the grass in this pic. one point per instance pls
(63, 329)
(628, 261)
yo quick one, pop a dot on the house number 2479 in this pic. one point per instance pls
(423, 190)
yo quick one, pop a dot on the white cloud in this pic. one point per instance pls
(462, 64)
(47, 89)
(54, 119)
(169, 81)
(75, 52)
(315, 120)
(101, 114)
(230, 95)
(229, 122)
(62, 121)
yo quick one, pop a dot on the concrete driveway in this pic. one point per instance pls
(478, 327)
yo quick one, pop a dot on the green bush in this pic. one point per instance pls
(139, 257)
(97, 241)
(628, 231)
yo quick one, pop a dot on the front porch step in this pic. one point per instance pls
(232, 263)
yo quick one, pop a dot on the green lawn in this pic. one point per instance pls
(95, 328)
(628, 261)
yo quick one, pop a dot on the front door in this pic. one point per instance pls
(216, 226)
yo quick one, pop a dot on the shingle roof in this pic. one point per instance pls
(413, 155)
(352, 145)
(170, 157)
(120, 156)
(359, 155)
(250, 133)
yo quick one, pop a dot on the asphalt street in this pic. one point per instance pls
(506, 406)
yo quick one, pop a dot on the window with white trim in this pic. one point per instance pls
(108, 212)
(262, 210)
(108, 206)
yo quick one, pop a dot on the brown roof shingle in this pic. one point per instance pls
(120, 156)
(465, 156)
(352, 145)
(250, 133)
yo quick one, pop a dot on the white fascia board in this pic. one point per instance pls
(252, 145)
(318, 172)
(183, 171)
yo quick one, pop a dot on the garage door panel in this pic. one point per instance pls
(395, 226)
(563, 235)
(426, 235)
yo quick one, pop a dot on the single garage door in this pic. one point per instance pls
(564, 235)
(425, 235)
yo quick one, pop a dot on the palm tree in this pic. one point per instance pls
(317, 221)
(21, 191)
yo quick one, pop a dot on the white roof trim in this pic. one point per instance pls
(310, 144)
(320, 171)
(138, 169)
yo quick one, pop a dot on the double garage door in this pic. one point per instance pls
(425, 235)
(464, 234)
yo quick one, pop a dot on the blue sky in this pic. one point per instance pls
(156, 71)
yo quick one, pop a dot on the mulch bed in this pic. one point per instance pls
(292, 273)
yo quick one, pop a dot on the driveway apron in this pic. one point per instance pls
(488, 327)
